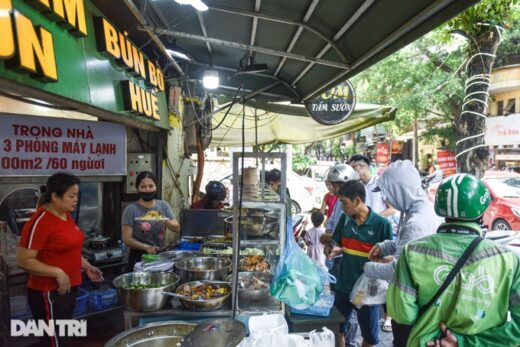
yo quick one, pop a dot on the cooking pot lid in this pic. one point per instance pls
(219, 332)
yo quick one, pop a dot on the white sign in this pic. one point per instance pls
(58, 327)
(511, 157)
(503, 130)
(34, 146)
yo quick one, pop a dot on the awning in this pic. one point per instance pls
(277, 123)
(307, 46)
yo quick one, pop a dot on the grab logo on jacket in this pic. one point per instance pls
(480, 281)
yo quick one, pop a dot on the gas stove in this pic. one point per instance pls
(109, 254)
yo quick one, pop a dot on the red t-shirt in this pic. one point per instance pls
(330, 201)
(58, 243)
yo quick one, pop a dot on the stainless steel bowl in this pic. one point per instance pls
(256, 226)
(203, 268)
(153, 335)
(247, 293)
(201, 304)
(176, 255)
(148, 299)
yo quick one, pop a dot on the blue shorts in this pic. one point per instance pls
(368, 317)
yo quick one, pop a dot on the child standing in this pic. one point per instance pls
(312, 238)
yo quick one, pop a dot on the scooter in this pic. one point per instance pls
(299, 222)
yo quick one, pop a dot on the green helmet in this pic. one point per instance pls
(462, 196)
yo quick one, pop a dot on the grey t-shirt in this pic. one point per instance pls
(149, 232)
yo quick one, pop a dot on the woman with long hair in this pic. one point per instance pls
(141, 234)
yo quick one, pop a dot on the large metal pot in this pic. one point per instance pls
(148, 299)
(153, 335)
(203, 268)
(256, 226)
(203, 304)
(176, 255)
(251, 290)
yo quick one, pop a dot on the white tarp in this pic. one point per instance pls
(290, 124)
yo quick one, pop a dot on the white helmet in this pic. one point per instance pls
(341, 173)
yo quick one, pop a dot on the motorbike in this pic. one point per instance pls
(299, 223)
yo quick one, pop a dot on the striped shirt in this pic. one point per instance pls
(357, 241)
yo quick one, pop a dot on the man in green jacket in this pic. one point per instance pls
(473, 310)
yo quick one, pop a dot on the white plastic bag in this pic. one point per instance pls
(325, 338)
(368, 291)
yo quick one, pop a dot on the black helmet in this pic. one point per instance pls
(215, 190)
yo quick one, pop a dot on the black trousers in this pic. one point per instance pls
(51, 305)
(401, 333)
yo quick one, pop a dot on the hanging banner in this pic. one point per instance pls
(382, 153)
(39, 146)
(447, 162)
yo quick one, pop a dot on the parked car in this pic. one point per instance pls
(318, 173)
(504, 211)
(301, 190)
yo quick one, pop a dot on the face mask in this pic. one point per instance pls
(148, 196)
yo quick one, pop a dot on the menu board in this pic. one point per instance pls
(36, 146)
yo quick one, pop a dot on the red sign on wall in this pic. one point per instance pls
(447, 162)
(382, 153)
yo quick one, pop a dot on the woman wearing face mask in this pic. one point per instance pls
(146, 236)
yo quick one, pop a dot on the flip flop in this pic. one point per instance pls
(387, 326)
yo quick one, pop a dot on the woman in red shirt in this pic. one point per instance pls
(50, 251)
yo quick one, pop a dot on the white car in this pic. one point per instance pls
(301, 190)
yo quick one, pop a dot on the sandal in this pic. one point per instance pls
(387, 325)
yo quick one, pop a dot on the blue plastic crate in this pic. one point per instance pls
(81, 302)
(101, 299)
(321, 308)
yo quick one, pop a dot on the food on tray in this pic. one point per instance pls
(228, 238)
(142, 285)
(203, 291)
(252, 283)
(254, 263)
(214, 250)
(152, 215)
(252, 251)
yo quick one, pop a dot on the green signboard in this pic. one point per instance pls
(68, 48)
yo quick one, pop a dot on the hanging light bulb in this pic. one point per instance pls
(210, 79)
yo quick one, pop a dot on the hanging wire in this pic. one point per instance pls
(233, 101)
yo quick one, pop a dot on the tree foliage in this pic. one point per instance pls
(425, 80)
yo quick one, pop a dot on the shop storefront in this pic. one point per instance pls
(503, 137)
(77, 96)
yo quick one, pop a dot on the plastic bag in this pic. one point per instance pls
(325, 338)
(298, 279)
(368, 291)
(8, 246)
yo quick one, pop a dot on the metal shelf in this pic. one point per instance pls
(261, 198)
